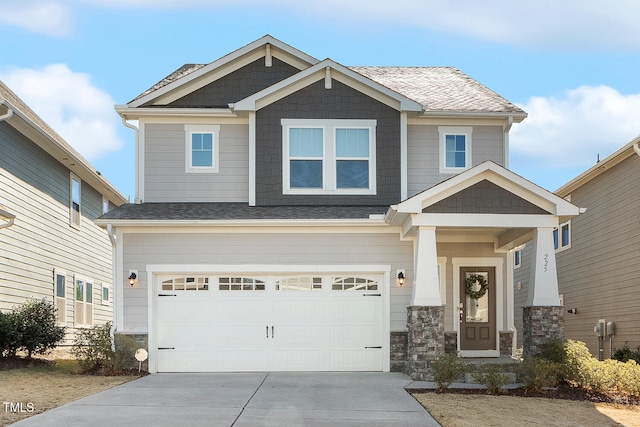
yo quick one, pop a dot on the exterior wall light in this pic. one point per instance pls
(400, 278)
(133, 278)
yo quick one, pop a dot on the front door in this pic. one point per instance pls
(477, 308)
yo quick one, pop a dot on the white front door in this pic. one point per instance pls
(220, 323)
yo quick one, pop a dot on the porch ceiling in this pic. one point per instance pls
(503, 239)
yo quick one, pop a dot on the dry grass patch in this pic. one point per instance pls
(456, 410)
(48, 386)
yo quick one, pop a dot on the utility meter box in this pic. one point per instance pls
(611, 329)
(600, 329)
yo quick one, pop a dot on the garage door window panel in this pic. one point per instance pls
(301, 283)
(353, 284)
(240, 284)
(186, 284)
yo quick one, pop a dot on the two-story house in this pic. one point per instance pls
(298, 214)
(597, 255)
(49, 245)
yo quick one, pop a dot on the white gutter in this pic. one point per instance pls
(9, 218)
(507, 128)
(8, 114)
(636, 148)
(112, 238)
(138, 166)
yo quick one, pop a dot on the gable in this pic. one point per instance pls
(485, 197)
(237, 85)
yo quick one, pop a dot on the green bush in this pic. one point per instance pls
(31, 327)
(541, 373)
(95, 350)
(553, 350)
(625, 353)
(92, 347)
(492, 376)
(446, 369)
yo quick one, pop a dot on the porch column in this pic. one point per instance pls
(425, 315)
(426, 289)
(543, 317)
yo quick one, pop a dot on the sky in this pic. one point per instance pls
(572, 65)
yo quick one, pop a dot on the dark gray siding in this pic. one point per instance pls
(316, 102)
(487, 198)
(237, 85)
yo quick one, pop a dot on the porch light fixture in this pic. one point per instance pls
(133, 278)
(400, 279)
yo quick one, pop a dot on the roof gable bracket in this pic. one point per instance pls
(267, 56)
(327, 78)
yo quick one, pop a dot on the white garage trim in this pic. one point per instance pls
(155, 270)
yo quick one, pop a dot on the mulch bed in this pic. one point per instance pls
(17, 362)
(563, 391)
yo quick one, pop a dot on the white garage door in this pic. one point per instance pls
(208, 323)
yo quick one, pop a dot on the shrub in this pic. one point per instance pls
(124, 354)
(31, 327)
(625, 353)
(491, 375)
(541, 373)
(446, 369)
(92, 347)
(553, 350)
(577, 356)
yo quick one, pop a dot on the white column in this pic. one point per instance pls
(543, 282)
(426, 289)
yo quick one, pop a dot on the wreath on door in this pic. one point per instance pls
(470, 288)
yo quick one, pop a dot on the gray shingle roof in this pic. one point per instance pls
(236, 211)
(436, 88)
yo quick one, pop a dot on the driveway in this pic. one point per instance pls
(247, 399)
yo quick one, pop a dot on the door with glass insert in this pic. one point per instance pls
(477, 308)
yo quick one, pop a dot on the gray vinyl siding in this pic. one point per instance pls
(277, 249)
(35, 188)
(600, 273)
(423, 164)
(164, 173)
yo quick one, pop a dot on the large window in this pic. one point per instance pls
(329, 157)
(75, 187)
(84, 302)
(202, 148)
(455, 148)
(60, 296)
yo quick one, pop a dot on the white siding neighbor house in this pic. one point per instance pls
(49, 245)
(298, 214)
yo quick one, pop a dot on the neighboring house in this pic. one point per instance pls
(297, 214)
(49, 246)
(597, 254)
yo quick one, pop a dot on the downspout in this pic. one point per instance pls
(112, 239)
(138, 171)
(9, 218)
(636, 148)
(7, 115)
(506, 141)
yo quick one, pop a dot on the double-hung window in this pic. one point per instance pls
(84, 302)
(60, 296)
(329, 156)
(202, 148)
(455, 148)
(562, 237)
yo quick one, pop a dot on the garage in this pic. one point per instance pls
(233, 322)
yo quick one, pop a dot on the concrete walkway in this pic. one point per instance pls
(247, 399)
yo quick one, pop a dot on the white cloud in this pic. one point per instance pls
(40, 16)
(572, 130)
(80, 112)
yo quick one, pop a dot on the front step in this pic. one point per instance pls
(509, 367)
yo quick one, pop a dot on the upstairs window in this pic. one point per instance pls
(455, 148)
(75, 188)
(562, 237)
(202, 148)
(329, 156)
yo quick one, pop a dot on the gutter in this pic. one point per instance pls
(507, 128)
(136, 131)
(8, 114)
(9, 218)
(636, 148)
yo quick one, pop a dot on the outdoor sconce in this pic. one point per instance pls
(400, 279)
(572, 311)
(133, 278)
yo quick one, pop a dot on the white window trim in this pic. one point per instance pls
(84, 304)
(73, 177)
(559, 230)
(104, 286)
(214, 130)
(467, 131)
(517, 265)
(105, 204)
(329, 185)
(60, 303)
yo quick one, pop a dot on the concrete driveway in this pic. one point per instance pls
(247, 399)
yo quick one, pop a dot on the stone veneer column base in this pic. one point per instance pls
(506, 343)
(540, 325)
(425, 339)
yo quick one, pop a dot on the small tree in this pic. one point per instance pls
(92, 347)
(34, 327)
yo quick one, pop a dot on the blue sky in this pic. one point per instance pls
(572, 65)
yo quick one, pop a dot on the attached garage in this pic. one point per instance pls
(253, 321)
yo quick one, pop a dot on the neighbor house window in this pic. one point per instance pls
(60, 296)
(517, 257)
(562, 237)
(105, 205)
(455, 148)
(75, 187)
(329, 156)
(106, 294)
(84, 302)
(202, 148)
